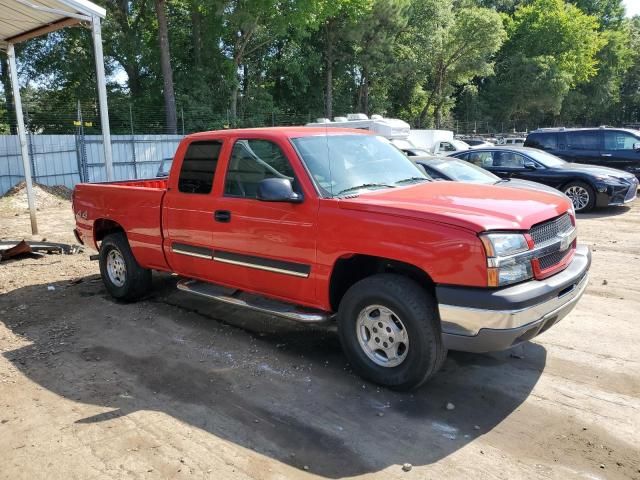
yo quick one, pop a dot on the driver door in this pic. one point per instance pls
(262, 246)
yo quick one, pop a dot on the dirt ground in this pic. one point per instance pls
(178, 387)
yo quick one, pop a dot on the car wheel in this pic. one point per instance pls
(390, 331)
(121, 274)
(582, 195)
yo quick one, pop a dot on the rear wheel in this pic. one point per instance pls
(582, 195)
(121, 274)
(390, 331)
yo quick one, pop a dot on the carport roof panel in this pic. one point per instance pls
(20, 18)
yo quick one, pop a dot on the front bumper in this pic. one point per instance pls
(611, 195)
(481, 320)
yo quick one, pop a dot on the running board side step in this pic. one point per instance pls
(242, 299)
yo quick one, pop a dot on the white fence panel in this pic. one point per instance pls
(57, 158)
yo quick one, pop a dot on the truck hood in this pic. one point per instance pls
(471, 206)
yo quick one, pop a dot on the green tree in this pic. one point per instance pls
(448, 49)
(551, 48)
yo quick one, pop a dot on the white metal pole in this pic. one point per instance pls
(17, 102)
(96, 31)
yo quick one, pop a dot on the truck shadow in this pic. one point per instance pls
(282, 390)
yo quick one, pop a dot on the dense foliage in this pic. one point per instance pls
(490, 65)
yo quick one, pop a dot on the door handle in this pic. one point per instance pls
(605, 154)
(223, 216)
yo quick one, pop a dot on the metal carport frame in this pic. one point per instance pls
(21, 20)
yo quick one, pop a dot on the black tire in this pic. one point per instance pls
(591, 202)
(135, 281)
(415, 308)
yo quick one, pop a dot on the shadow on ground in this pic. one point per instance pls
(279, 389)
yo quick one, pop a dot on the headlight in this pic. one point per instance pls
(504, 266)
(503, 244)
(608, 179)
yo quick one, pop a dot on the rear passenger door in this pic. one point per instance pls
(188, 210)
(584, 146)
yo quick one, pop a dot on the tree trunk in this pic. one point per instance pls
(8, 96)
(365, 92)
(233, 110)
(196, 34)
(328, 72)
(167, 72)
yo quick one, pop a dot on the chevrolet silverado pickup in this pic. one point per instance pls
(337, 225)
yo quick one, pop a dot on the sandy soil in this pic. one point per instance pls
(177, 387)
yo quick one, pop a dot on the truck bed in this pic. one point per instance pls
(136, 205)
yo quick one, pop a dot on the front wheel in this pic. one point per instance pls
(582, 195)
(389, 331)
(121, 274)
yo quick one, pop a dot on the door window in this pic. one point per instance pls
(198, 167)
(481, 159)
(619, 140)
(447, 147)
(251, 162)
(543, 141)
(508, 160)
(583, 140)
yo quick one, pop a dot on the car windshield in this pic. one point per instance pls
(546, 159)
(462, 171)
(342, 164)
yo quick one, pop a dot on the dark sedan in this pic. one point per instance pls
(454, 169)
(587, 186)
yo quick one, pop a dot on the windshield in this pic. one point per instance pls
(462, 171)
(341, 164)
(546, 159)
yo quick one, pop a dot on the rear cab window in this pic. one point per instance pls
(199, 167)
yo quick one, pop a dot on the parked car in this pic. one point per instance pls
(455, 169)
(416, 152)
(321, 226)
(587, 186)
(608, 147)
(515, 141)
(477, 143)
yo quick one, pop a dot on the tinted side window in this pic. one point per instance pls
(619, 140)
(251, 162)
(199, 167)
(542, 141)
(508, 160)
(583, 140)
(481, 159)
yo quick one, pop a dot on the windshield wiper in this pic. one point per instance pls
(412, 180)
(364, 185)
(502, 180)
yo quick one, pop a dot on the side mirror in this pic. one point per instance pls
(277, 190)
(528, 165)
(636, 146)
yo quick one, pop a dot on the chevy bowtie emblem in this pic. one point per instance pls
(567, 238)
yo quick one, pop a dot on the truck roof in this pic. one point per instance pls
(283, 132)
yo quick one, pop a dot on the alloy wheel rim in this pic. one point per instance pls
(579, 196)
(382, 336)
(116, 268)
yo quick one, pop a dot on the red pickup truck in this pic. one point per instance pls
(315, 226)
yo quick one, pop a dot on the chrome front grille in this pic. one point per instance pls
(552, 259)
(550, 231)
(633, 190)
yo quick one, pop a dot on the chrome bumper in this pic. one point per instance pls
(474, 329)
